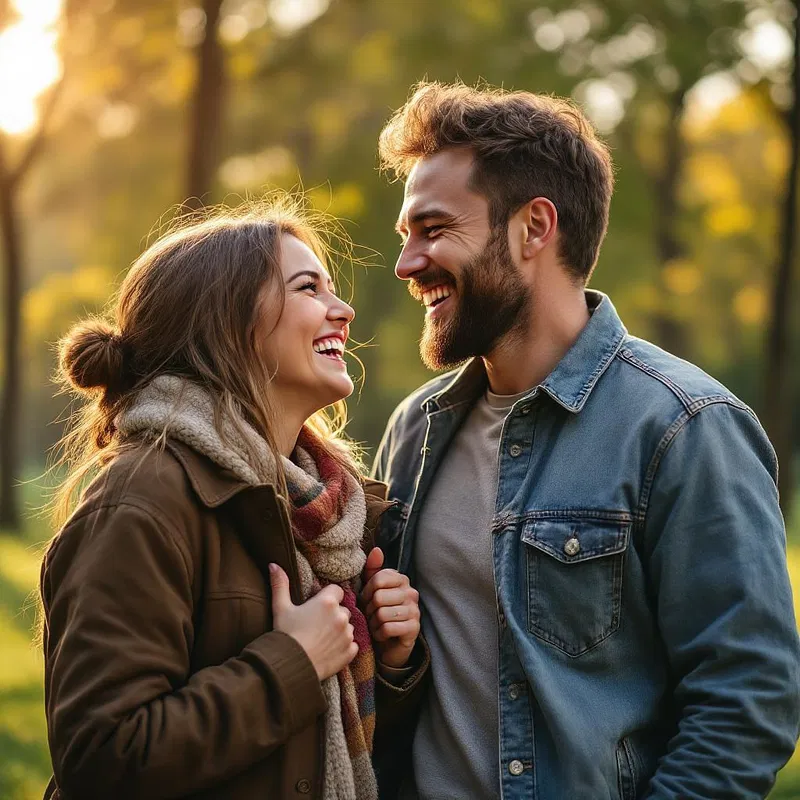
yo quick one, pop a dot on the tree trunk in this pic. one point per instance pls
(206, 112)
(669, 332)
(12, 382)
(778, 406)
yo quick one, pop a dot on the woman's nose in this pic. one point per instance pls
(341, 310)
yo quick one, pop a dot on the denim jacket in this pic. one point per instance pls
(647, 639)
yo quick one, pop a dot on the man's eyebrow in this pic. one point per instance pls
(423, 214)
(311, 274)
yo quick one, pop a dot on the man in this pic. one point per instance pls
(592, 523)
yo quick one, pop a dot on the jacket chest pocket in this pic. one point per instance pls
(574, 576)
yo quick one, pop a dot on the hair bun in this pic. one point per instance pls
(91, 356)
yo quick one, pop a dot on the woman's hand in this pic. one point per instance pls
(391, 606)
(321, 626)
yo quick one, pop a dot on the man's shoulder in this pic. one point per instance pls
(688, 386)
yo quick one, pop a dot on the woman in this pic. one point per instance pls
(202, 632)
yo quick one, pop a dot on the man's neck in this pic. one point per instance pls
(527, 356)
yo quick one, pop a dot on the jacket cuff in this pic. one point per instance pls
(297, 676)
(394, 675)
(402, 680)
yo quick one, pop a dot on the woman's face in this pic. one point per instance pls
(304, 351)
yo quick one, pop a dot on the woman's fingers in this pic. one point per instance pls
(385, 579)
(408, 630)
(388, 597)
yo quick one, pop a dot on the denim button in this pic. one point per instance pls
(572, 546)
(516, 767)
(514, 450)
(303, 786)
(513, 691)
(525, 410)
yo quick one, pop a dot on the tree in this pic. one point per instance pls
(11, 179)
(778, 405)
(206, 110)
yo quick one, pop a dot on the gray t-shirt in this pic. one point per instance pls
(456, 743)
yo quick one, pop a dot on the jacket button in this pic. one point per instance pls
(516, 767)
(303, 786)
(572, 546)
(515, 450)
(525, 410)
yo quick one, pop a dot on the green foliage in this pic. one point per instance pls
(305, 107)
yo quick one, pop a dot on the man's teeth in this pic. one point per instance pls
(323, 345)
(437, 293)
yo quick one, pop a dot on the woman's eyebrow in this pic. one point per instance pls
(310, 273)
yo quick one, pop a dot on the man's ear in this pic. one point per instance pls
(539, 219)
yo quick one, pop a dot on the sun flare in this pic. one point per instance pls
(29, 62)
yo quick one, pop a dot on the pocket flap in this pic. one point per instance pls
(572, 540)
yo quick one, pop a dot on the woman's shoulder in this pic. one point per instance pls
(141, 474)
(142, 493)
(139, 507)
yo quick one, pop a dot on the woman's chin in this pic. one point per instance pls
(339, 389)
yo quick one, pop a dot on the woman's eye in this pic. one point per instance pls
(310, 285)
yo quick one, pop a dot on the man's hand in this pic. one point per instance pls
(321, 626)
(391, 606)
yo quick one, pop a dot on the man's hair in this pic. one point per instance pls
(525, 145)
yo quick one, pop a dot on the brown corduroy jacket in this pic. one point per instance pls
(163, 676)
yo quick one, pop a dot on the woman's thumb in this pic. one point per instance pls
(279, 581)
(374, 563)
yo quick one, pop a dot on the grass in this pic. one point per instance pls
(25, 764)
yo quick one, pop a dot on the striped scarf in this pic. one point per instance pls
(328, 517)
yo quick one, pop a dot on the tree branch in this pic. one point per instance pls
(38, 141)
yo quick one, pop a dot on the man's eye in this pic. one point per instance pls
(431, 229)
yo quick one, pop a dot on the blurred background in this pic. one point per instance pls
(112, 112)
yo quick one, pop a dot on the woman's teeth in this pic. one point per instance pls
(333, 348)
(434, 295)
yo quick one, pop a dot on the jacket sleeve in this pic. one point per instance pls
(385, 452)
(715, 546)
(125, 716)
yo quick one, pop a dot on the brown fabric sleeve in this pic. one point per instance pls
(397, 697)
(125, 718)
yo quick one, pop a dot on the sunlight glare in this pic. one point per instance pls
(29, 62)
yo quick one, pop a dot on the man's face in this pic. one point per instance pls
(460, 269)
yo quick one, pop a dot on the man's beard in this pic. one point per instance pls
(489, 304)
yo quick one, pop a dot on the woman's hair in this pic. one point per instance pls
(525, 145)
(189, 307)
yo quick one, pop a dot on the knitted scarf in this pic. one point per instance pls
(328, 514)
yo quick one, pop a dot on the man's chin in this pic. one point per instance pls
(437, 354)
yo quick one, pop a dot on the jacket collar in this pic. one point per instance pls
(574, 377)
(215, 485)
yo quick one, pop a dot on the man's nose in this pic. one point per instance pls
(409, 263)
